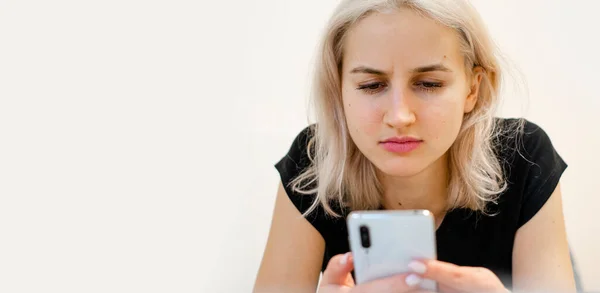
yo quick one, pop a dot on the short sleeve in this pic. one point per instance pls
(291, 166)
(544, 167)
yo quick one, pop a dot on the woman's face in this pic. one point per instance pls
(405, 90)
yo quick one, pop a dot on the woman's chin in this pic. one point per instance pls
(403, 170)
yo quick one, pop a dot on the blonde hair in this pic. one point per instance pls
(339, 173)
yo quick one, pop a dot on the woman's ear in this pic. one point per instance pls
(475, 82)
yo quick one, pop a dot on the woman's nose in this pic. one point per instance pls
(399, 113)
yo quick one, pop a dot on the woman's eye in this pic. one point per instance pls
(428, 85)
(372, 88)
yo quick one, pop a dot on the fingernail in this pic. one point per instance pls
(413, 280)
(417, 267)
(344, 258)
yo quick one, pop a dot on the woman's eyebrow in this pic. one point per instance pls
(420, 69)
(432, 67)
(367, 70)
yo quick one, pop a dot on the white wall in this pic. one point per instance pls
(137, 138)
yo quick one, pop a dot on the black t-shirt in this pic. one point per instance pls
(466, 238)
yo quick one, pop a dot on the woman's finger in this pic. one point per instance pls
(440, 271)
(460, 278)
(338, 271)
(395, 284)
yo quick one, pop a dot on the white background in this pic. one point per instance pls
(137, 138)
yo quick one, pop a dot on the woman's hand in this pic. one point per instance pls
(452, 278)
(337, 279)
(449, 277)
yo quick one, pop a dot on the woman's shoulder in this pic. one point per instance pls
(519, 140)
(297, 158)
(295, 163)
(531, 164)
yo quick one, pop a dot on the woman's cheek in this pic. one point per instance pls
(442, 122)
(364, 117)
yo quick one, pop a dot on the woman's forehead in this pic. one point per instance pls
(399, 39)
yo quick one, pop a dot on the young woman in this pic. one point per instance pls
(405, 94)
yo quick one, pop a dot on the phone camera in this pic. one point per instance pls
(365, 239)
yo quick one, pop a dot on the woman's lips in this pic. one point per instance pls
(401, 144)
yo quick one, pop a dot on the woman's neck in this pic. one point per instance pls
(425, 190)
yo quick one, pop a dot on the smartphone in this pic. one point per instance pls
(383, 243)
